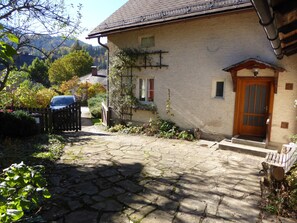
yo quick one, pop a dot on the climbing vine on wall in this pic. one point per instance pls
(122, 80)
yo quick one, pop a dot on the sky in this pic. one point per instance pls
(93, 13)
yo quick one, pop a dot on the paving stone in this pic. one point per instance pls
(114, 191)
(115, 178)
(111, 217)
(154, 180)
(130, 186)
(108, 173)
(192, 206)
(182, 217)
(73, 205)
(82, 216)
(166, 204)
(141, 213)
(98, 198)
(108, 205)
(86, 188)
(134, 201)
(87, 200)
(103, 183)
(157, 217)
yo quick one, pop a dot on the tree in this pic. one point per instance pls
(7, 51)
(75, 46)
(8, 95)
(29, 19)
(39, 71)
(77, 63)
(24, 20)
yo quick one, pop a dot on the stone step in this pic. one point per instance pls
(248, 142)
(246, 149)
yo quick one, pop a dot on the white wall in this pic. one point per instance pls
(198, 51)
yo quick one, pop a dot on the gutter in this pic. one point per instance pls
(267, 20)
(107, 70)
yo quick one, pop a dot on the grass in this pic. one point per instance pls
(96, 121)
(40, 149)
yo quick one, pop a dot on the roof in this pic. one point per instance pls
(136, 13)
(252, 63)
(279, 20)
(99, 78)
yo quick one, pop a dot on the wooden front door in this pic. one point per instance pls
(253, 106)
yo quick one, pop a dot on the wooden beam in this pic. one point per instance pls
(289, 50)
(288, 27)
(285, 6)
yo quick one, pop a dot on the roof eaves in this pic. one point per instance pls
(170, 15)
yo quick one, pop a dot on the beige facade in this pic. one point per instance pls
(198, 50)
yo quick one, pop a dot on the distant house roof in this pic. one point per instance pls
(137, 13)
(93, 79)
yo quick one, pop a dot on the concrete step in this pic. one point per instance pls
(246, 149)
(248, 142)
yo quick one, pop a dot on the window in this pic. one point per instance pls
(220, 89)
(148, 41)
(146, 89)
(218, 86)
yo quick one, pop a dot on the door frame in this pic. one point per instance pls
(238, 102)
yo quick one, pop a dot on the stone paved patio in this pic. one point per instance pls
(105, 177)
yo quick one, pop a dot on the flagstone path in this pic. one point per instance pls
(104, 177)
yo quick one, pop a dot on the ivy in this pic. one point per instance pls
(121, 87)
(22, 189)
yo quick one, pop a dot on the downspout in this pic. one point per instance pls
(267, 20)
(107, 70)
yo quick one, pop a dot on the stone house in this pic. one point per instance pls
(211, 65)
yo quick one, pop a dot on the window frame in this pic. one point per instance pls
(214, 92)
(145, 89)
(141, 38)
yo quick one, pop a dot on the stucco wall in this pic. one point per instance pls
(198, 51)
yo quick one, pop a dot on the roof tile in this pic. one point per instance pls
(142, 12)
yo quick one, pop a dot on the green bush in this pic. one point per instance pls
(17, 124)
(94, 105)
(22, 189)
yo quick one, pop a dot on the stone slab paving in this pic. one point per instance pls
(105, 177)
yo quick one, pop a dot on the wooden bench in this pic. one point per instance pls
(278, 164)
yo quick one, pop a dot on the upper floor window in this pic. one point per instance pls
(147, 41)
(146, 89)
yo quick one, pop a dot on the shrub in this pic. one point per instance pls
(186, 135)
(17, 124)
(94, 105)
(22, 189)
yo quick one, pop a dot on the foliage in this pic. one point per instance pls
(294, 138)
(39, 71)
(186, 135)
(157, 127)
(281, 198)
(22, 189)
(7, 51)
(35, 18)
(94, 105)
(41, 149)
(117, 128)
(17, 124)
(292, 183)
(70, 86)
(77, 63)
(8, 95)
(82, 91)
(121, 89)
(43, 97)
